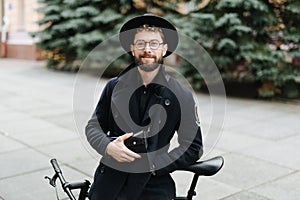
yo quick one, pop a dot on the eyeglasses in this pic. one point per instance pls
(141, 44)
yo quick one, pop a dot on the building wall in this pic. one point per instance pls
(22, 17)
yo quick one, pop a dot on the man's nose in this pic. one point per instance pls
(147, 47)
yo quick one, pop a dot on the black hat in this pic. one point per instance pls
(128, 31)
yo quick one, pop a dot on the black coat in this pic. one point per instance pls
(118, 112)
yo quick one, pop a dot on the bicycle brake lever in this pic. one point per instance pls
(52, 180)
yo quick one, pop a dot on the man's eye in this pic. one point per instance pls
(154, 43)
(140, 43)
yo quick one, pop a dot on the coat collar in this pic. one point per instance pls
(131, 75)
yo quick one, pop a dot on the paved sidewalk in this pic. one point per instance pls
(260, 140)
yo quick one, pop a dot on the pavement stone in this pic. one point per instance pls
(240, 141)
(67, 151)
(15, 126)
(245, 195)
(259, 139)
(9, 115)
(63, 120)
(206, 187)
(262, 130)
(280, 153)
(8, 144)
(34, 186)
(246, 172)
(51, 110)
(87, 166)
(292, 140)
(287, 187)
(45, 136)
(21, 161)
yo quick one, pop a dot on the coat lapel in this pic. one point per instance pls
(128, 82)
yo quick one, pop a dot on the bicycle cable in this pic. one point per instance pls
(56, 192)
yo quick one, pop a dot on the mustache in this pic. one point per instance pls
(147, 55)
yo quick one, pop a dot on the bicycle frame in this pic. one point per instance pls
(202, 168)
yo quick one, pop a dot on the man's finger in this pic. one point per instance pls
(132, 154)
(127, 158)
(125, 136)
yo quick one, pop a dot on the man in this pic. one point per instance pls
(143, 100)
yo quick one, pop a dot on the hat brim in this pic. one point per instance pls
(128, 31)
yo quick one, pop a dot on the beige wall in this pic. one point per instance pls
(22, 15)
(1, 11)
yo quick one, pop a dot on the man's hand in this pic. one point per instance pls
(119, 151)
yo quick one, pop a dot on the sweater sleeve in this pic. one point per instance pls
(97, 127)
(96, 136)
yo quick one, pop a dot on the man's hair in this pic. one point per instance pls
(147, 27)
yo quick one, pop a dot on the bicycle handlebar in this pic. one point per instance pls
(64, 183)
(201, 168)
(55, 165)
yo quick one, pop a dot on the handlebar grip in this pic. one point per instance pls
(55, 165)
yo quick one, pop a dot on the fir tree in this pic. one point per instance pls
(73, 28)
(50, 39)
(250, 41)
(243, 39)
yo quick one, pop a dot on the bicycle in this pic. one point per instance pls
(201, 168)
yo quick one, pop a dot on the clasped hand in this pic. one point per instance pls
(119, 151)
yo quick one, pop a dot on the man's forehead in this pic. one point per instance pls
(147, 35)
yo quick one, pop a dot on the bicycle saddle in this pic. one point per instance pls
(207, 167)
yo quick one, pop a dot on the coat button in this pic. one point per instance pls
(167, 102)
(102, 170)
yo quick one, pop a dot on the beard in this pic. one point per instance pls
(148, 67)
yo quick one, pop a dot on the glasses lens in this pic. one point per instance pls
(140, 44)
(154, 44)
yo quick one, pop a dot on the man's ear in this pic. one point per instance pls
(131, 49)
(165, 48)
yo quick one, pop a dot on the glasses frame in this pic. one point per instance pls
(148, 43)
